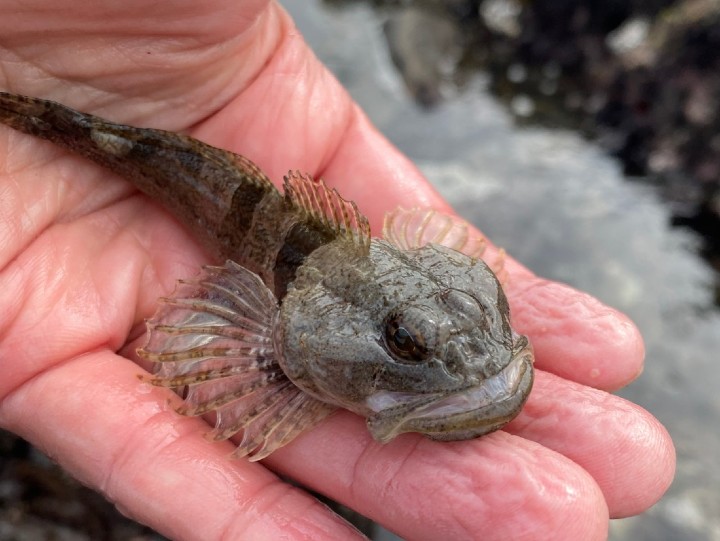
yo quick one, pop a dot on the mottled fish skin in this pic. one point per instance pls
(309, 313)
(224, 199)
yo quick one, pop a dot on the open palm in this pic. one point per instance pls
(83, 257)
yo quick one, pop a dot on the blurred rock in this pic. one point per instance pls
(425, 44)
(40, 502)
(641, 77)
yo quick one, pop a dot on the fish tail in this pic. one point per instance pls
(214, 192)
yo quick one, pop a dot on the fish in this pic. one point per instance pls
(304, 312)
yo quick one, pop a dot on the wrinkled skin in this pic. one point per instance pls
(83, 259)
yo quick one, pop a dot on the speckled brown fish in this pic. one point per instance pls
(308, 313)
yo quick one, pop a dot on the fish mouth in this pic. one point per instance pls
(466, 413)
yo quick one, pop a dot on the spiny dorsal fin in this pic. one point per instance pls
(326, 205)
(414, 228)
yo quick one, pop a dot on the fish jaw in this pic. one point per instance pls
(460, 415)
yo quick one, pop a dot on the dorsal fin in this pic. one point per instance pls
(325, 204)
(414, 228)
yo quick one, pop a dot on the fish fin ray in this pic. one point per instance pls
(280, 423)
(326, 205)
(414, 228)
(211, 341)
(213, 316)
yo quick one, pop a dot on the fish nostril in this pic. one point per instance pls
(454, 358)
(461, 359)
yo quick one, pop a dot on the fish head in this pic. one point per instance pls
(414, 340)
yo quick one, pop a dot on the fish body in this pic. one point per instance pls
(309, 313)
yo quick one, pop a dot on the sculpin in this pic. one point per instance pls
(308, 313)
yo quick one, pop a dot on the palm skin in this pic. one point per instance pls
(83, 258)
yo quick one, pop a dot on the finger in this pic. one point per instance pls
(628, 454)
(574, 335)
(176, 62)
(496, 487)
(119, 436)
(82, 284)
(626, 450)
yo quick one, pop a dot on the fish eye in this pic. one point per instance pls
(405, 337)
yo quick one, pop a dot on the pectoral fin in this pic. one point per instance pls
(212, 341)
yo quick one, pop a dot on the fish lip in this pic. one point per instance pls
(465, 413)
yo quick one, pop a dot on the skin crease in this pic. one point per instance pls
(83, 258)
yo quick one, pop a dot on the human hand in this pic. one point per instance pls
(83, 258)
